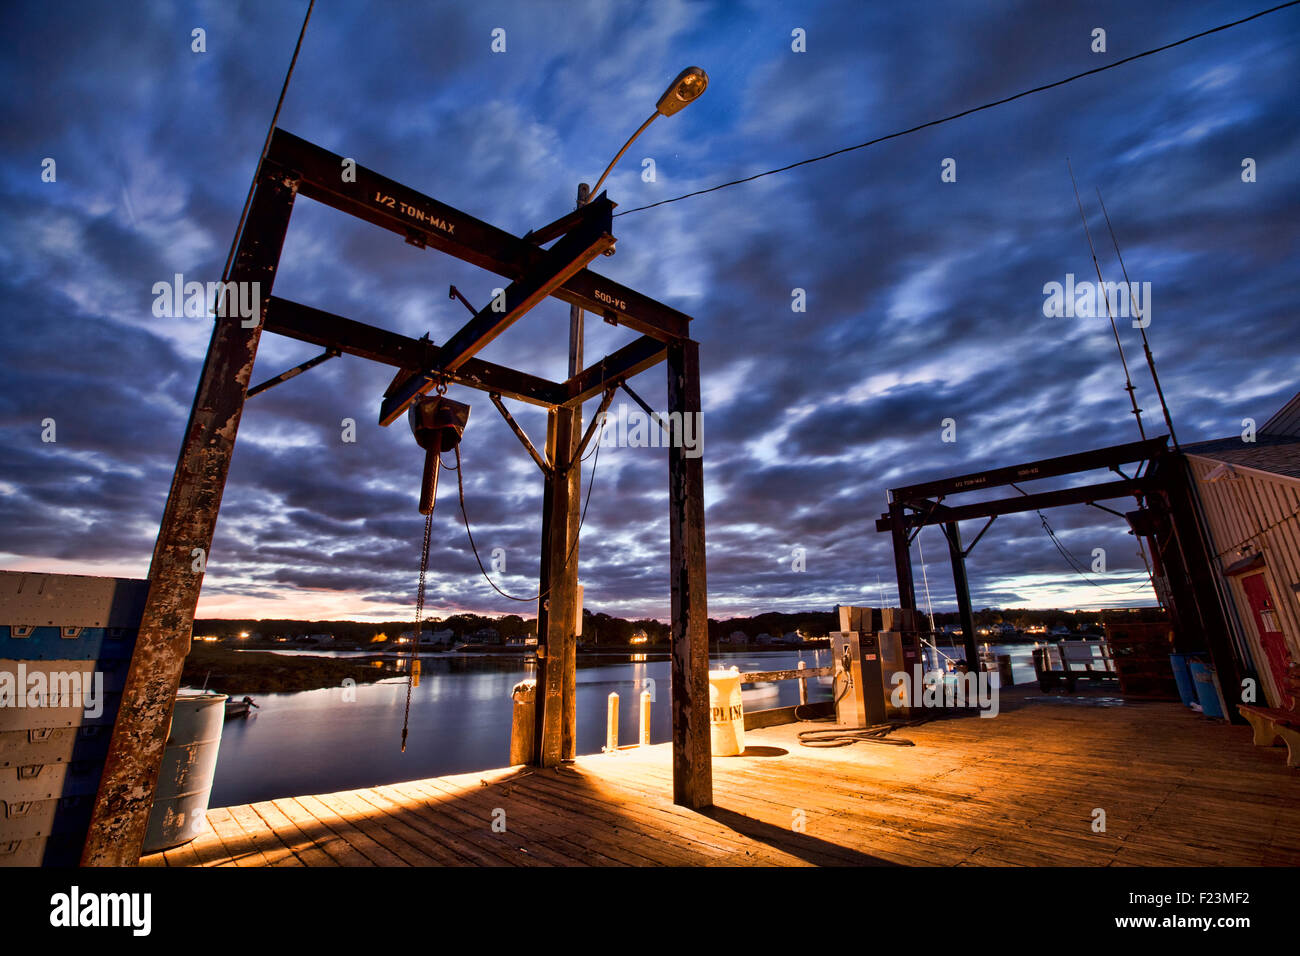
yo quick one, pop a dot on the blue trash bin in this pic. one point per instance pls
(1183, 677)
(1206, 692)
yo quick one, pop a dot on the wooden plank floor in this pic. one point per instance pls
(1020, 789)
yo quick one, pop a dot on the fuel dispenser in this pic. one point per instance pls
(857, 687)
(873, 645)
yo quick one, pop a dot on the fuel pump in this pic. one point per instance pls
(857, 687)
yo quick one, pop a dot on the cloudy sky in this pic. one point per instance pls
(924, 298)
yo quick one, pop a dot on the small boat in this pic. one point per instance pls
(239, 708)
(760, 693)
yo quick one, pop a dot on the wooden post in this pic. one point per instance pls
(803, 685)
(611, 723)
(523, 723)
(692, 755)
(569, 736)
(126, 789)
(962, 584)
(557, 644)
(645, 718)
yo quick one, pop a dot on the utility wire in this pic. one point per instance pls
(460, 487)
(967, 112)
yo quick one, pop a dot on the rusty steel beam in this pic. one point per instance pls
(1078, 495)
(589, 238)
(306, 324)
(121, 812)
(692, 750)
(632, 359)
(1110, 457)
(426, 222)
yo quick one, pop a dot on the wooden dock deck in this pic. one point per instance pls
(1019, 789)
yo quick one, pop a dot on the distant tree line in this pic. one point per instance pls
(604, 629)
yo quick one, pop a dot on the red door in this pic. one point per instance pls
(1270, 634)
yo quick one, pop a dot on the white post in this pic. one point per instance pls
(803, 685)
(645, 718)
(611, 727)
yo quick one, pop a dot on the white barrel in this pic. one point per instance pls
(189, 764)
(726, 713)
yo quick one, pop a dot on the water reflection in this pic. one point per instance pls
(325, 740)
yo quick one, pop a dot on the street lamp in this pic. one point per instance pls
(681, 92)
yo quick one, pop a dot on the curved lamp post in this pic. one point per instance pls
(681, 92)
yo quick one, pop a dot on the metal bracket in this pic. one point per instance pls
(646, 408)
(971, 547)
(519, 432)
(293, 372)
(591, 429)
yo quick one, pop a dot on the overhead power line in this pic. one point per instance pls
(967, 112)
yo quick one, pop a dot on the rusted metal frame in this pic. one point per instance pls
(692, 752)
(520, 433)
(591, 237)
(632, 359)
(1046, 468)
(125, 798)
(1080, 495)
(306, 324)
(645, 407)
(596, 419)
(417, 217)
(294, 372)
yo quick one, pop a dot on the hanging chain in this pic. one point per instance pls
(419, 616)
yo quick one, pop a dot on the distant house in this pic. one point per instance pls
(764, 638)
(639, 636)
(792, 636)
(445, 637)
(484, 635)
(737, 637)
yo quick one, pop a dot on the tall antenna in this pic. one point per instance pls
(1128, 381)
(1142, 326)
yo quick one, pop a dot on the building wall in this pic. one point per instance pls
(1263, 510)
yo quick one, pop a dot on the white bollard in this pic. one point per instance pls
(611, 728)
(645, 718)
(803, 685)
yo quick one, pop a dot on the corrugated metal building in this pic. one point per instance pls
(1250, 497)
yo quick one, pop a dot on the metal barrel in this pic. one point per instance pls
(189, 764)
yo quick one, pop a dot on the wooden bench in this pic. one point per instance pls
(1274, 725)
